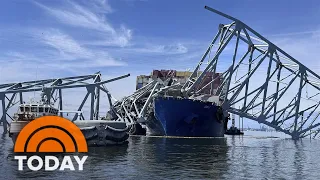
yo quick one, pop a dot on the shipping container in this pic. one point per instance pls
(181, 77)
(139, 85)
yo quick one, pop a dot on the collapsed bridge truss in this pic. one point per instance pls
(12, 94)
(261, 81)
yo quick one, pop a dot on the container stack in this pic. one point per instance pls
(181, 77)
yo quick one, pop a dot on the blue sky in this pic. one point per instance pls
(45, 39)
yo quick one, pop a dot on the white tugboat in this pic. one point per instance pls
(96, 132)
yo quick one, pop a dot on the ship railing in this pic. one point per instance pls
(78, 113)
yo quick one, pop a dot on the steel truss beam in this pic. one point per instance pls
(138, 107)
(263, 81)
(49, 87)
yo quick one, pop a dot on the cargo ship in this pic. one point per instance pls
(188, 117)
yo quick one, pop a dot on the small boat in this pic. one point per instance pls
(96, 132)
(233, 131)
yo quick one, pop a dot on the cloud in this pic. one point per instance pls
(77, 15)
(71, 50)
(67, 46)
(178, 48)
(56, 52)
(122, 39)
(56, 48)
(101, 6)
(91, 16)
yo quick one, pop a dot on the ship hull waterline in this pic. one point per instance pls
(185, 118)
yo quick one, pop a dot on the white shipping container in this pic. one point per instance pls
(145, 80)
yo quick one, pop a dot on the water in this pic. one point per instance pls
(253, 156)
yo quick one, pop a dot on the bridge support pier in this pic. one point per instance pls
(295, 135)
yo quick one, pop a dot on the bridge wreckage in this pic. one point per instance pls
(259, 81)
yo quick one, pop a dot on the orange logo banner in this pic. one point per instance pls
(50, 134)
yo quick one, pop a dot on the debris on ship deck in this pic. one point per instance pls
(164, 104)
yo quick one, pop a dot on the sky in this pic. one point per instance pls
(51, 39)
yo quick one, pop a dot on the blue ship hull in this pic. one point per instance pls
(186, 117)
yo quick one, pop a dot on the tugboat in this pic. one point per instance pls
(26, 113)
(96, 132)
(233, 130)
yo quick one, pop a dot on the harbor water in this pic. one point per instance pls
(256, 155)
